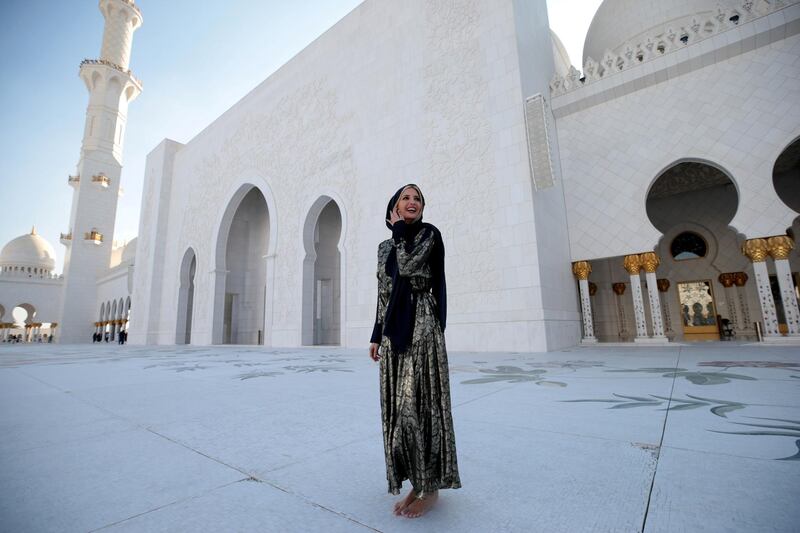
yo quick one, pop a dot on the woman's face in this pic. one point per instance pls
(409, 205)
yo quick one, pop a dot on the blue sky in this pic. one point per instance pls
(196, 59)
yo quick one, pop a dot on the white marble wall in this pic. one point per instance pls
(396, 92)
(736, 110)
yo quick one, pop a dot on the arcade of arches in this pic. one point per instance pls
(113, 319)
(703, 280)
(240, 311)
(22, 327)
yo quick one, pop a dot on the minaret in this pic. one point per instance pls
(111, 87)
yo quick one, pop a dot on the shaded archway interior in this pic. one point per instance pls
(247, 242)
(327, 276)
(183, 333)
(786, 176)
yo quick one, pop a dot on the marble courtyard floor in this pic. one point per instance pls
(680, 438)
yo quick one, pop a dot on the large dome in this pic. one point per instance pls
(29, 250)
(619, 21)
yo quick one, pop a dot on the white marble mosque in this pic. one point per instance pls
(651, 197)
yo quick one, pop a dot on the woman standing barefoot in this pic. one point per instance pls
(408, 340)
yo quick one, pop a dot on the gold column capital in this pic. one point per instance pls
(740, 278)
(756, 250)
(779, 246)
(619, 288)
(632, 263)
(581, 269)
(726, 279)
(592, 288)
(650, 261)
(662, 284)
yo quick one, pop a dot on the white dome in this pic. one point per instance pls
(129, 253)
(560, 55)
(29, 250)
(619, 21)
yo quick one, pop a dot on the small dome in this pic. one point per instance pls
(619, 21)
(29, 250)
(560, 55)
(129, 253)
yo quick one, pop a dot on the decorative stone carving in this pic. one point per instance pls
(663, 41)
(756, 250)
(581, 269)
(780, 246)
(650, 261)
(632, 264)
(726, 279)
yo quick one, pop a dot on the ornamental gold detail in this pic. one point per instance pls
(779, 246)
(662, 284)
(619, 288)
(740, 278)
(632, 263)
(581, 269)
(592, 288)
(650, 261)
(756, 250)
(727, 279)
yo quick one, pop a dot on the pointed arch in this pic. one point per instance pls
(244, 253)
(188, 268)
(323, 271)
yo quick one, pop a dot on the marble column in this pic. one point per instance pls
(619, 290)
(650, 262)
(727, 280)
(740, 280)
(663, 287)
(779, 248)
(582, 269)
(756, 250)
(633, 264)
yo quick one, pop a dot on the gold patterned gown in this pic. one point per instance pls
(418, 437)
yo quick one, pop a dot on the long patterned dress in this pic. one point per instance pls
(418, 437)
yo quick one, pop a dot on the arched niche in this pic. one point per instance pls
(322, 273)
(188, 269)
(241, 268)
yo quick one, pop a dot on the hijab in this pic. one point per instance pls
(401, 311)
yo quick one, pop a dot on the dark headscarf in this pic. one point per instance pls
(398, 323)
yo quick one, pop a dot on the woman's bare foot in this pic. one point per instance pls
(419, 507)
(401, 504)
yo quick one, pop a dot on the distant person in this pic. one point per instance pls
(408, 341)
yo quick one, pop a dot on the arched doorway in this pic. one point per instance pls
(692, 204)
(239, 312)
(23, 315)
(322, 274)
(183, 333)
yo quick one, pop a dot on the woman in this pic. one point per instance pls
(408, 340)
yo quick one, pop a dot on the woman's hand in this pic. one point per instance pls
(373, 352)
(394, 216)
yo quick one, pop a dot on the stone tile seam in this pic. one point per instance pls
(170, 504)
(660, 443)
(251, 477)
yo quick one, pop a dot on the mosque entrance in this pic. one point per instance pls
(243, 306)
(698, 311)
(692, 203)
(322, 274)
